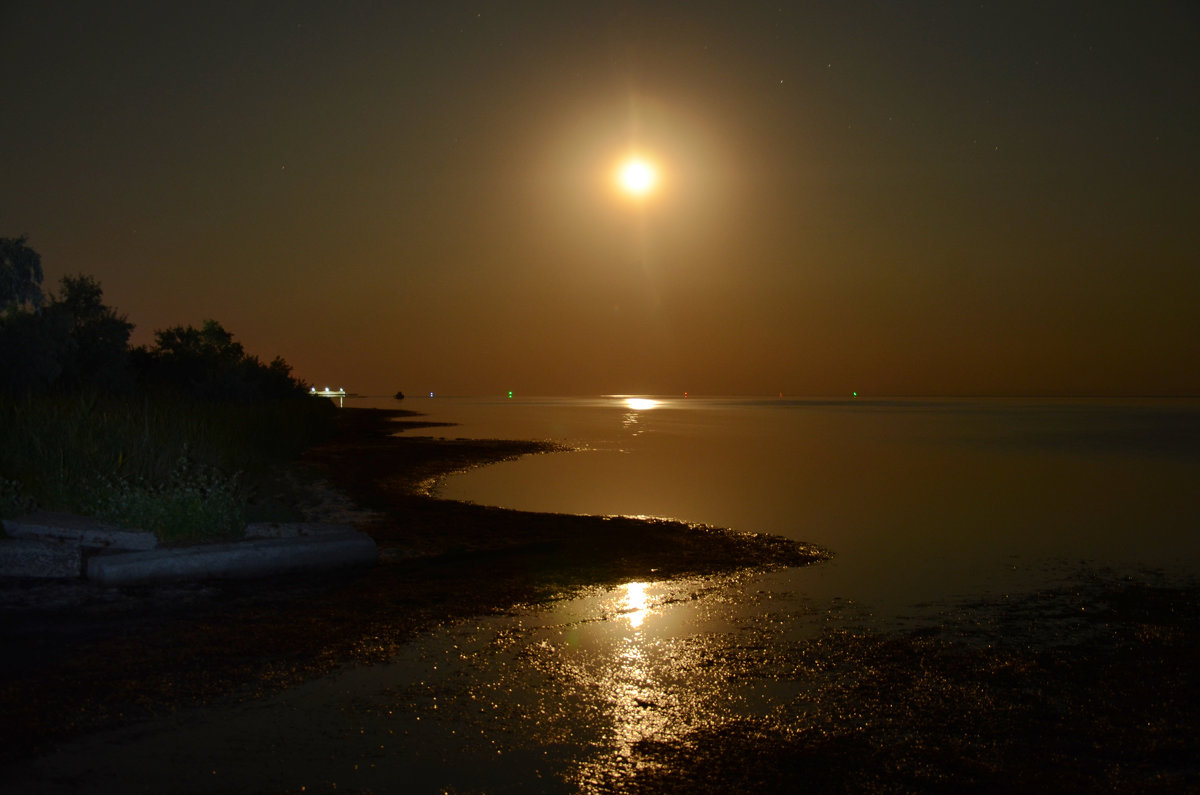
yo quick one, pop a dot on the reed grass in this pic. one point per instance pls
(161, 462)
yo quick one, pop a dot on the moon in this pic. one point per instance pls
(637, 177)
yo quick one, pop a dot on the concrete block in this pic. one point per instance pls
(82, 530)
(242, 559)
(25, 557)
(295, 529)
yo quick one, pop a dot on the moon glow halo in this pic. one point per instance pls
(636, 177)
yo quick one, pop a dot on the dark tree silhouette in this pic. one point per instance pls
(32, 344)
(208, 363)
(73, 342)
(98, 350)
(76, 342)
(20, 275)
(32, 349)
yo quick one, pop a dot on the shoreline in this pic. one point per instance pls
(80, 658)
(1084, 687)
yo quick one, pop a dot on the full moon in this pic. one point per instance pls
(636, 177)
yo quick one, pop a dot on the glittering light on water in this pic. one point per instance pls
(641, 404)
(637, 603)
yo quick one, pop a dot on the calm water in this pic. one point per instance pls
(919, 500)
(923, 503)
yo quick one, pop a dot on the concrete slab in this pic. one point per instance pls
(295, 529)
(82, 530)
(26, 557)
(255, 558)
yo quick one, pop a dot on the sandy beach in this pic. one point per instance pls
(1080, 688)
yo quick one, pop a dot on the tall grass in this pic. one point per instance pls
(161, 462)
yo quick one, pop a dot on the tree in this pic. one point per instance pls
(32, 349)
(74, 342)
(31, 344)
(210, 344)
(208, 363)
(20, 275)
(98, 352)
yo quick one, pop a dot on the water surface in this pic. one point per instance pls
(919, 500)
(924, 503)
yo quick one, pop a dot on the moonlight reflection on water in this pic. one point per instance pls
(708, 684)
(637, 604)
(589, 681)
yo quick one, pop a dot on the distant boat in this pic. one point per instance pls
(399, 396)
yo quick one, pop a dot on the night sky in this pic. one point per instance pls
(902, 198)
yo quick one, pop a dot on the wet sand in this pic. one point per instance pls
(1079, 688)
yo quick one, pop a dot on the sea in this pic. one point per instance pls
(918, 500)
(929, 508)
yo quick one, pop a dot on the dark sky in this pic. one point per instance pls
(893, 198)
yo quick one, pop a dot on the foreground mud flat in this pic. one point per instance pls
(538, 653)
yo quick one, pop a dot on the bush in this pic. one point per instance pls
(195, 502)
(169, 438)
(14, 501)
(162, 462)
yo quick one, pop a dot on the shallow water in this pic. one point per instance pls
(923, 503)
(585, 694)
(553, 698)
(919, 500)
